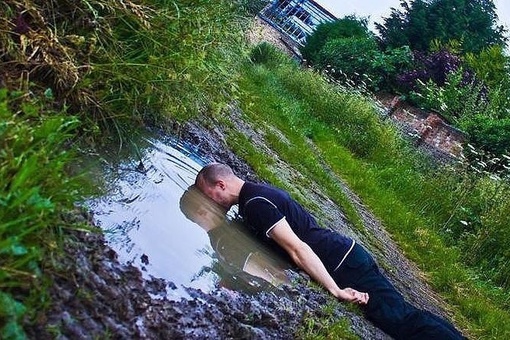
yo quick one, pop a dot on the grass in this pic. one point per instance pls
(35, 193)
(417, 202)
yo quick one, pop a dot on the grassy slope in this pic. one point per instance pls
(408, 198)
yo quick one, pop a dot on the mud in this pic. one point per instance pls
(96, 296)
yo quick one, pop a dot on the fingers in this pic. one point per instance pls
(358, 297)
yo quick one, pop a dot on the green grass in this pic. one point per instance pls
(35, 192)
(98, 70)
(421, 205)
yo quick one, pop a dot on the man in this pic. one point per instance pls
(337, 262)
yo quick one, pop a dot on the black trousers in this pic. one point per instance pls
(386, 307)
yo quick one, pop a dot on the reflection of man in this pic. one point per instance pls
(237, 252)
(333, 260)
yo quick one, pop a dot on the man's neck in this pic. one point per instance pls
(237, 185)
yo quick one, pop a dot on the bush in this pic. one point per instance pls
(266, 54)
(455, 99)
(490, 65)
(433, 67)
(347, 27)
(358, 61)
(489, 134)
(349, 57)
(388, 65)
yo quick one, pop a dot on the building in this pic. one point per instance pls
(296, 19)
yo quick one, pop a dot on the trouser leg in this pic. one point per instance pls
(386, 307)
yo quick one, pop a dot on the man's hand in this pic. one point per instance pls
(352, 295)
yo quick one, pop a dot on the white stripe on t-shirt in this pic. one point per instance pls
(345, 256)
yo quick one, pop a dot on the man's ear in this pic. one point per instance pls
(221, 184)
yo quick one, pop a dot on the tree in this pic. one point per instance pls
(347, 27)
(472, 22)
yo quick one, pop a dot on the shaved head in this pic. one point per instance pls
(218, 182)
(211, 173)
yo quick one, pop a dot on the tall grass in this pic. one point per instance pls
(35, 192)
(451, 221)
(180, 62)
(119, 61)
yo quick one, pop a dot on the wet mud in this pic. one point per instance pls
(96, 296)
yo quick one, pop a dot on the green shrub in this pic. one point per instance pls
(455, 100)
(490, 65)
(349, 57)
(347, 27)
(489, 134)
(267, 54)
(388, 65)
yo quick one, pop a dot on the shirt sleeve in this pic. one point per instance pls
(262, 215)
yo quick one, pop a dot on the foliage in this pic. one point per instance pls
(349, 57)
(419, 22)
(265, 53)
(491, 66)
(489, 134)
(433, 67)
(161, 59)
(347, 27)
(34, 193)
(477, 223)
(105, 62)
(456, 99)
(359, 63)
(181, 63)
(388, 65)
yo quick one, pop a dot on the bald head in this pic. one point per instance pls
(219, 182)
(211, 173)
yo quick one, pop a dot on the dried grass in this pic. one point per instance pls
(50, 44)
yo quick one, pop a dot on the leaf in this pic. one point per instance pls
(39, 202)
(12, 330)
(48, 93)
(9, 307)
(18, 249)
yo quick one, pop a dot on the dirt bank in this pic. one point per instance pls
(95, 296)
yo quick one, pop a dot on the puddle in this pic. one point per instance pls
(144, 224)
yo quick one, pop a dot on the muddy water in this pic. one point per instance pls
(144, 222)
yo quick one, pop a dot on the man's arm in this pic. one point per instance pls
(307, 260)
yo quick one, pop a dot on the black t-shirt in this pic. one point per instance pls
(262, 206)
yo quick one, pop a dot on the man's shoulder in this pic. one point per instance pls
(261, 190)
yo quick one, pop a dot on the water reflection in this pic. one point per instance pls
(247, 264)
(144, 224)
